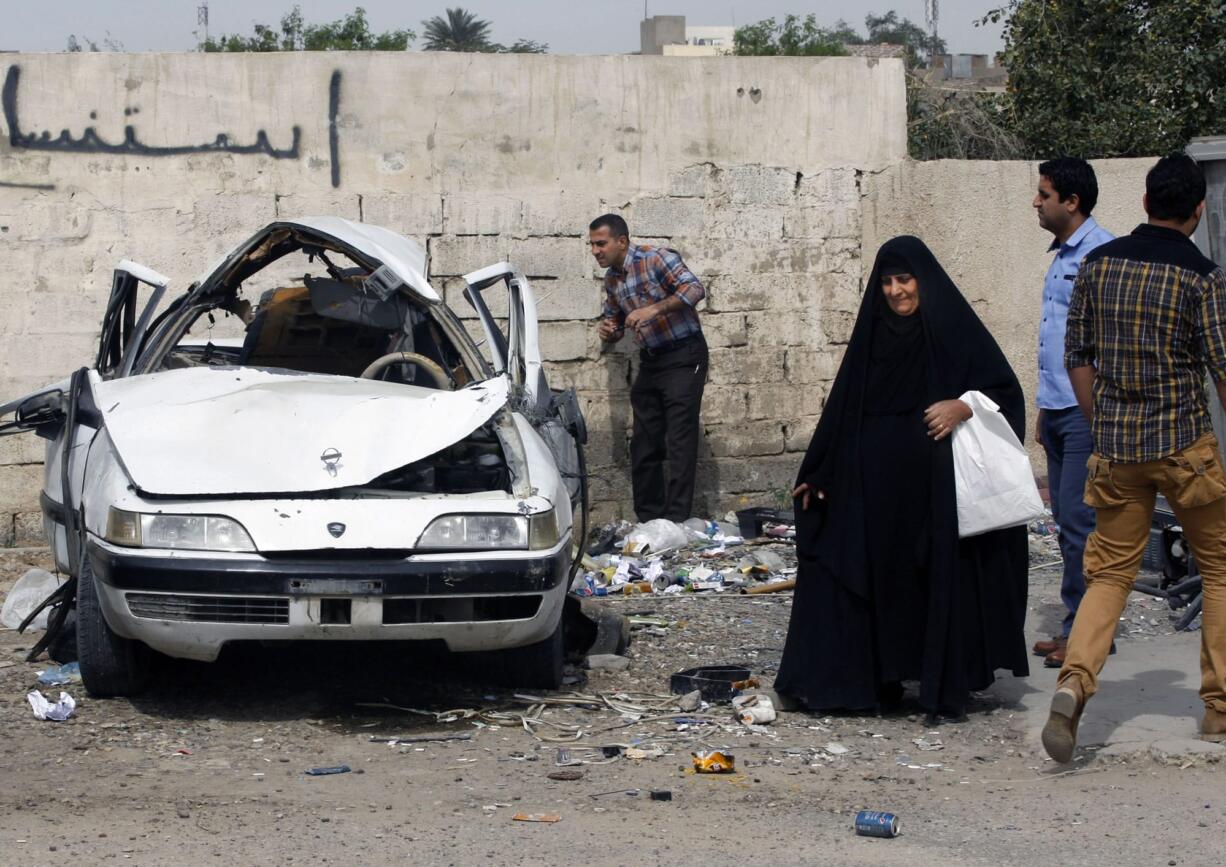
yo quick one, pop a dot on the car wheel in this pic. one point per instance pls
(111, 665)
(538, 666)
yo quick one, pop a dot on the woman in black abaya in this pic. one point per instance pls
(886, 590)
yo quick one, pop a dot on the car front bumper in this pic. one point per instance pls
(190, 604)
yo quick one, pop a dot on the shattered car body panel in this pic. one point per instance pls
(348, 468)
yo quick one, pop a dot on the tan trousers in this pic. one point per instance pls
(1123, 498)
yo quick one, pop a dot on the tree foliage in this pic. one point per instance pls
(892, 29)
(794, 36)
(457, 30)
(1103, 78)
(461, 30)
(351, 33)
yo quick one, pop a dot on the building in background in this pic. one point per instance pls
(668, 35)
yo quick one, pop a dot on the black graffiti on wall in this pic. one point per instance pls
(89, 142)
(334, 108)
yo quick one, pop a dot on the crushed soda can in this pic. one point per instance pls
(714, 762)
(874, 823)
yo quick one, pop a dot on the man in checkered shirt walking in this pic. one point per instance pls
(1146, 322)
(650, 291)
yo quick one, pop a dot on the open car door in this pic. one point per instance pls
(122, 331)
(517, 353)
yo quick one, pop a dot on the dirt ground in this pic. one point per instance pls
(209, 766)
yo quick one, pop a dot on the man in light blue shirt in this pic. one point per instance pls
(1068, 191)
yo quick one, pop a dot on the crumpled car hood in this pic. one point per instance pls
(222, 431)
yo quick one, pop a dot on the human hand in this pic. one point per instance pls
(640, 316)
(945, 415)
(1038, 429)
(805, 492)
(608, 330)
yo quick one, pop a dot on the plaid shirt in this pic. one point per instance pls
(648, 275)
(1149, 311)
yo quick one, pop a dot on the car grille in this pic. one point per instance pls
(209, 609)
(398, 611)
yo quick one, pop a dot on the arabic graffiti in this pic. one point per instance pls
(91, 143)
(334, 107)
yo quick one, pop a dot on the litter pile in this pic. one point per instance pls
(751, 551)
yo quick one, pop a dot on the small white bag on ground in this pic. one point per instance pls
(992, 475)
(29, 591)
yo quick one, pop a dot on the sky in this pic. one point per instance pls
(568, 26)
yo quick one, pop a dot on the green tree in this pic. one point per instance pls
(902, 31)
(460, 30)
(351, 33)
(1103, 78)
(795, 36)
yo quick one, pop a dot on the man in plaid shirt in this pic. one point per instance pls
(1146, 321)
(650, 291)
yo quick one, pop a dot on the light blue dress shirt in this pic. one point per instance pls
(1055, 391)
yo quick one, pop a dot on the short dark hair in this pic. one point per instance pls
(616, 225)
(1072, 176)
(1174, 187)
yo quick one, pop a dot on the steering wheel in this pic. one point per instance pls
(440, 377)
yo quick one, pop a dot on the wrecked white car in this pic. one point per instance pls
(346, 466)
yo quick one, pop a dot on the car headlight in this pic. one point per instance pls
(189, 532)
(478, 532)
(492, 532)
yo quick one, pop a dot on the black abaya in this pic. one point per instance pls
(886, 591)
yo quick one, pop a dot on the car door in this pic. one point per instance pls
(517, 351)
(65, 415)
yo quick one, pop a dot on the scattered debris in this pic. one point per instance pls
(607, 662)
(715, 683)
(326, 772)
(714, 762)
(59, 675)
(537, 817)
(27, 594)
(661, 795)
(565, 776)
(44, 709)
(756, 709)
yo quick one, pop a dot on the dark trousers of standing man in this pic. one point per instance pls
(667, 399)
(1069, 444)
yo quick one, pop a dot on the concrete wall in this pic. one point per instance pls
(978, 218)
(753, 168)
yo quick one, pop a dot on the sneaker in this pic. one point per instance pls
(1060, 733)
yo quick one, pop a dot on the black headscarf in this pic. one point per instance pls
(956, 355)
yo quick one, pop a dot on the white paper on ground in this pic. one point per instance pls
(58, 712)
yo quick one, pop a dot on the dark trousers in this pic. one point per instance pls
(667, 398)
(1069, 444)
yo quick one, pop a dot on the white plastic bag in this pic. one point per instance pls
(992, 474)
(29, 591)
(656, 537)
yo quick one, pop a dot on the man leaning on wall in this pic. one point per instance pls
(1067, 193)
(651, 291)
(1148, 318)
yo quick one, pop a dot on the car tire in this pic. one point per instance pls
(111, 665)
(536, 666)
